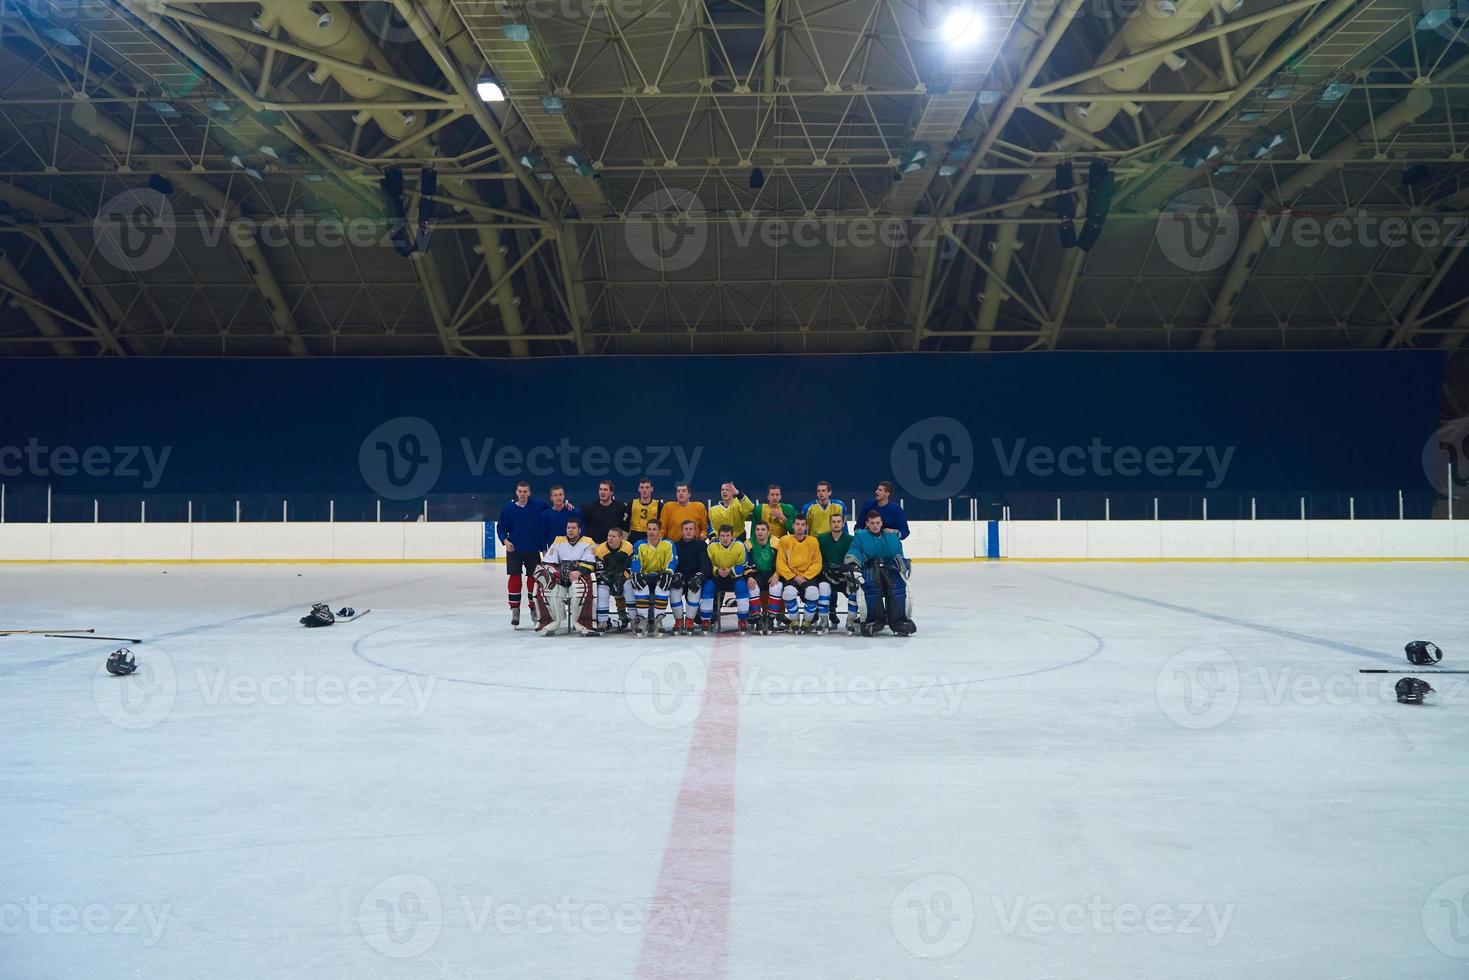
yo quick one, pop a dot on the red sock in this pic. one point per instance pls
(515, 592)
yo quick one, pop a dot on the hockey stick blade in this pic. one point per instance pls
(1410, 670)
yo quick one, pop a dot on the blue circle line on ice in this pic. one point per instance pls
(1098, 644)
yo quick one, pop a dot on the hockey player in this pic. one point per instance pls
(734, 509)
(762, 579)
(727, 561)
(641, 511)
(555, 517)
(893, 519)
(879, 554)
(604, 513)
(675, 512)
(567, 565)
(613, 578)
(519, 532)
(692, 554)
(819, 511)
(778, 515)
(798, 560)
(653, 563)
(834, 544)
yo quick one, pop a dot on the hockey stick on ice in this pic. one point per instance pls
(72, 636)
(42, 632)
(1410, 670)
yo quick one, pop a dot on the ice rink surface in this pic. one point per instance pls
(1071, 771)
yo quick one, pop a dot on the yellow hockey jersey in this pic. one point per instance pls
(650, 559)
(675, 513)
(818, 518)
(736, 514)
(639, 514)
(733, 557)
(779, 517)
(801, 557)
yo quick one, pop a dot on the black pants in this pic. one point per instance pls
(521, 563)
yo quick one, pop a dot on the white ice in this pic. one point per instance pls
(1071, 771)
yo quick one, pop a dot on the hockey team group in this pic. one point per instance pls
(610, 566)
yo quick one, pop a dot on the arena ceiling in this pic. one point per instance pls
(730, 176)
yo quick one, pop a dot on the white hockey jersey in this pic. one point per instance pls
(562, 550)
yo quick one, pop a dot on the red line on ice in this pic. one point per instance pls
(687, 935)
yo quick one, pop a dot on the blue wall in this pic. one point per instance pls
(943, 424)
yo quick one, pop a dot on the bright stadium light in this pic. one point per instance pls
(488, 89)
(962, 26)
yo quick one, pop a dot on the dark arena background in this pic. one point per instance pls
(721, 490)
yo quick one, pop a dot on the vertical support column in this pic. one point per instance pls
(1351, 508)
(237, 512)
(1400, 505)
(1252, 508)
(1303, 508)
(96, 511)
(48, 504)
(143, 512)
(1107, 513)
(1058, 508)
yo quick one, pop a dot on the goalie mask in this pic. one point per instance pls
(320, 615)
(121, 662)
(1412, 690)
(1421, 653)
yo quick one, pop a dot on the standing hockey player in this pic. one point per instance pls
(834, 544)
(762, 579)
(519, 532)
(879, 554)
(653, 563)
(778, 515)
(675, 512)
(727, 560)
(614, 569)
(555, 517)
(604, 513)
(818, 513)
(642, 511)
(734, 509)
(567, 565)
(893, 519)
(798, 560)
(692, 561)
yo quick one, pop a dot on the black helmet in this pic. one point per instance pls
(1421, 653)
(1412, 690)
(121, 662)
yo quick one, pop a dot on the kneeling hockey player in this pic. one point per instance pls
(567, 565)
(692, 553)
(884, 571)
(614, 568)
(798, 560)
(653, 563)
(727, 558)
